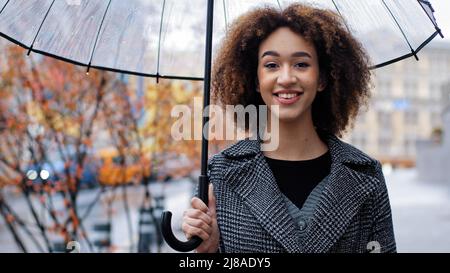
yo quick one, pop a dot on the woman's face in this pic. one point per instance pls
(288, 74)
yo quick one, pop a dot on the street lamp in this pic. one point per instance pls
(44, 174)
(32, 175)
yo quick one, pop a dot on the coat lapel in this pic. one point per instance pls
(340, 201)
(253, 181)
(351, 182)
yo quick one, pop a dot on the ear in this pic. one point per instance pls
(321, 87)
(322, 84)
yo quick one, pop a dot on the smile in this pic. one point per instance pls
(287, 98)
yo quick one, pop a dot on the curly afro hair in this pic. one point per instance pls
(343, 63)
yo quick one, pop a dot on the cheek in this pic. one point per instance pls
(266, 83)
(311, 82)
(265, 87)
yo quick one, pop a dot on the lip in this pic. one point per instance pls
(287, 101)
(287, 91)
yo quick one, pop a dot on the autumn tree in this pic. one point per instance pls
(48, 115)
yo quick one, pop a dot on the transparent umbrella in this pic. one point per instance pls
(172, 38)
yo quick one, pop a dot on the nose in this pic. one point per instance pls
(286, 77)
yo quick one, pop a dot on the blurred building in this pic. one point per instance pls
(407, 105)
(433, 155)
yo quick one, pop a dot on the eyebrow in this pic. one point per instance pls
(296, 54)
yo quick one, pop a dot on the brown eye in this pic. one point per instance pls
(302, 65)
(270, 65)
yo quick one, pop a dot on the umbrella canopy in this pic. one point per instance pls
(171, 39)
(166, 38)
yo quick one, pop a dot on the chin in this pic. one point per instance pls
(292, 115)
(288, 117)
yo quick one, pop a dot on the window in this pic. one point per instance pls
(384, 144)
(359, 140)
(384, 88)
(436, 119)
(385, 120)
(410, 145)
(411, 117)
(434, 61)
(435, 91)
(410, 89)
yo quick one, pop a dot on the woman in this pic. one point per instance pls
(314, 193)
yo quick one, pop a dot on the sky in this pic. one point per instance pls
(442, 14)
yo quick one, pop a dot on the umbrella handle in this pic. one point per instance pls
(166, 223)
(170, 238)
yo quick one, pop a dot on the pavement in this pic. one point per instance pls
(420, 211)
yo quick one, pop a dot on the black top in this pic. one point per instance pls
(296, 179)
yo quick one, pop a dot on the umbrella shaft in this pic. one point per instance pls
(207, 85)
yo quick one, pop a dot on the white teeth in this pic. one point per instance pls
(287, 96)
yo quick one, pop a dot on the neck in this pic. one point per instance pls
(298, 140)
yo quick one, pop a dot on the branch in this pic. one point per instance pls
(21, 223)
(11, 227)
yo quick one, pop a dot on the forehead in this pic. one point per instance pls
(284, 41)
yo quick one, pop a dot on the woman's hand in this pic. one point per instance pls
(201, 221)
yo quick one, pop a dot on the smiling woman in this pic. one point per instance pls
(313, 193)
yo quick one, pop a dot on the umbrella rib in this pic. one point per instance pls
(98, 35)
(4, 6)
(42, 23)
(225, 16)
(147, 75)
(340, 14)
(407, 55)
(279, 5)
(401, 30)
(433, 21)
(173, 77)
(427, 41)
(159, 41)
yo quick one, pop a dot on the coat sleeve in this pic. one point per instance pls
(382, 230)
(212, 175)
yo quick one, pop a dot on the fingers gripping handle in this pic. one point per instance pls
(172, 241)
(166, 222)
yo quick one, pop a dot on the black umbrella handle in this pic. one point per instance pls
(166, 222)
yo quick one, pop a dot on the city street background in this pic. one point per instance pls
(126, 142)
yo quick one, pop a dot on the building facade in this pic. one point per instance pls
(407, 105)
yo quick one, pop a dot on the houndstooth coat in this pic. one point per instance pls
(352, 213)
